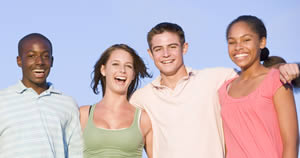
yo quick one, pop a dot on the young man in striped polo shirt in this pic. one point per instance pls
(37, 120)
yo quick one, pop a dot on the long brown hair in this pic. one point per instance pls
(140, 69)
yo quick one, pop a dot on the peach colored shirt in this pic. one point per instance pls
(251, 125)
(186, 121)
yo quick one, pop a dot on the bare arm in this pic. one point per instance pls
(146, 128)
(287, 117)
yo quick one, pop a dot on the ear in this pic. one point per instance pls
(102, 70)
(52, 59)
(263, 43)
(19, 61)
(185, 47)
(150, 53)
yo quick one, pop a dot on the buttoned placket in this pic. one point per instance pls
(178, 88)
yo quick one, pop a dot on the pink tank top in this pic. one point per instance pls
(251, 126)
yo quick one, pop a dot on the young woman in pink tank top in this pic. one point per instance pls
(258, 111)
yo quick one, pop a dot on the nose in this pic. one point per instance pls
(122, 69)
(238, 46)
(39, 60)
(166, 53)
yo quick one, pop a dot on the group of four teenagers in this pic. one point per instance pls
(215, 112)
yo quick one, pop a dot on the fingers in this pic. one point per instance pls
(288, 72)
(282, 79)
(294, 71)
(284, 76)
(297, 70)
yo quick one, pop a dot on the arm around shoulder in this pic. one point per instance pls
(289, 72)
(221, 75)
(136, 99)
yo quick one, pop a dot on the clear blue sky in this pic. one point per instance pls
(81, 30)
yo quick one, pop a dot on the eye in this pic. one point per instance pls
(30, 55)
(231, 42)
(46, 56)
(173, 46)
(156, 49)
(247, 39)
(129, 66)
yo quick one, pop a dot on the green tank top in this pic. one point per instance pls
(113, 143)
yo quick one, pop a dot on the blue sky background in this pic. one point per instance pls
(81, 30)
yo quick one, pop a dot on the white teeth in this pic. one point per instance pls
(166, 61)
(241, 55)
(121, 78)
(38, 71)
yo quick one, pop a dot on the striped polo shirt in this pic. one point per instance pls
(35, 125)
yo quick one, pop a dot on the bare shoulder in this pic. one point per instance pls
(84, 115)
(84, 110)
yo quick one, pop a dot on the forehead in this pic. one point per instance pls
(35, 44)
(120, 55)
(165, 38)
(240, 28)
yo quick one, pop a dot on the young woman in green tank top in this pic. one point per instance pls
(113, 128)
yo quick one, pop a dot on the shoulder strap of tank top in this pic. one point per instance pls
(90, 109)
(137, 117)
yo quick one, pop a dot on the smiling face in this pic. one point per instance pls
(244, 45)
(35, 59)
(118, 72)
(167, 53)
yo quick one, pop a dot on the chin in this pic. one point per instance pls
(39, 80)
(168, 73)
(241, 64)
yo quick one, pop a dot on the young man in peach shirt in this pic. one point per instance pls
(183, 103)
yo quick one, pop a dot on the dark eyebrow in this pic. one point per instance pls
(45, 51)
(32, 52)
(168, 45)
(172, 44)
(230, 38)
(115, 60)
(241, 36)
(247, 35)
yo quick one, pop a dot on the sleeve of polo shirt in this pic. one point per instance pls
(230, 73)
(73, 135)
(136, 99)
(224, 74)
(220, 75)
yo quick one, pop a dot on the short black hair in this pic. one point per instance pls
(32, 36)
